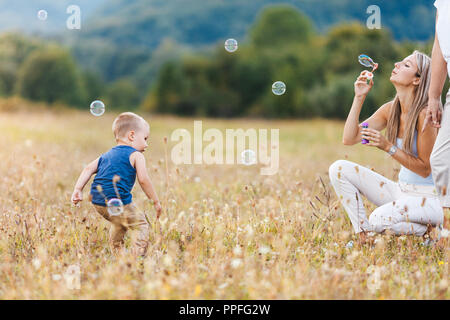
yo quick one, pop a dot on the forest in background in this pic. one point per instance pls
(186, 75)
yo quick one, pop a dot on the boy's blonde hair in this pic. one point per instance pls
(125, 122)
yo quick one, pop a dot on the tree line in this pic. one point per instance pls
(282, 44)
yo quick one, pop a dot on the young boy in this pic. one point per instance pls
(116, 172)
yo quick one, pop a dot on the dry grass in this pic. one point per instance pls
(227, 232)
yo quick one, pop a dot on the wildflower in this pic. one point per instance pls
(56, 277)
(264, 250)
(443, 284)
(223, 286)
(374, 282)
(237, 250)
(36, 263)
(181, 214)
(236, 263)
(167, 261)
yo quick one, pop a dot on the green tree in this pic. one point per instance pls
(14, 49)
(93, 86)
(279, 26)
(123, 94)
(51, 75)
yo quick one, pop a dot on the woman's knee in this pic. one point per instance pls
(378, 221)
(336, 168)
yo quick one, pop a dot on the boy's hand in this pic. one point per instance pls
(77, 196)
(158, 209)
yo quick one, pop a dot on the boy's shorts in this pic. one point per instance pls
(130, 218)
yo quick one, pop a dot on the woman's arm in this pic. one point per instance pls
(378, 121)
(425, 143)
(438, 76)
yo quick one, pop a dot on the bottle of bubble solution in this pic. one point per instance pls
(365, 125)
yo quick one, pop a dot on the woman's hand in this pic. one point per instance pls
(362, 88)
(376, 139)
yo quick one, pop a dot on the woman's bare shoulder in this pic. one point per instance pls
(385, 109)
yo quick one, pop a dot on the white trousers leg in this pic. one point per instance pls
(440, 157)
(397, 211)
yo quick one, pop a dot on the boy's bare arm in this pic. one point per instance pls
(84, 177)
(145, 182)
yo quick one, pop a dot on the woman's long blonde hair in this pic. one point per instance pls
(419, 103)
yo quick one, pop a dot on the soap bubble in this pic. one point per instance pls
(97, 108)
(248, 157)
(279, 88)
(365, 60)
(42, 15)
(115, 206)
(231, 45)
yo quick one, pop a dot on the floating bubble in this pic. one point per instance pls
(115, 206)
(231, 45)
(279, 88)
(367, 61)
(97, 108)
(248, 157)
(42, 15)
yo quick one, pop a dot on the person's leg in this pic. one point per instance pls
(116, 237)
(351, 181)
(407, 215)
(135, 219)
(116, 232)
(440, 157)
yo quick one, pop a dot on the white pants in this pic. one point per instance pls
(440, 157)
(402, 209)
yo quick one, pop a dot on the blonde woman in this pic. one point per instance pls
(410, 205)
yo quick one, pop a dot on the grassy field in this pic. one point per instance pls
(227, 232)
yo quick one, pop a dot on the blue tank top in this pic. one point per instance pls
(408, 176)
(114, 162)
